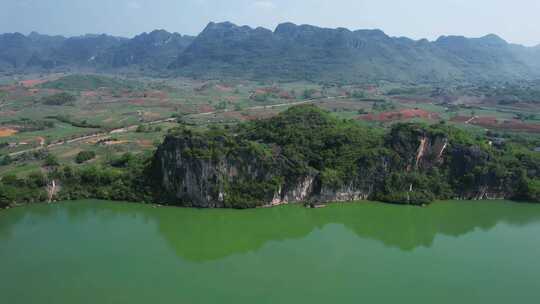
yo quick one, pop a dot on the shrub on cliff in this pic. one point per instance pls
(531, 191)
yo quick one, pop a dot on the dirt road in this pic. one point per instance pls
(90, 136)
(273, 106)
(134, 127)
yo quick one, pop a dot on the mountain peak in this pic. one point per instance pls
(450, 39)
(220, 26)
(490, 39)
(493, 39)
(34, 34)
(373, 33)
(286, 27)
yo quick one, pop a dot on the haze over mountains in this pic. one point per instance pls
(290, 52)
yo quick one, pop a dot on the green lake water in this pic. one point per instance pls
(103, 252)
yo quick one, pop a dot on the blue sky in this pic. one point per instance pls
(516, 21)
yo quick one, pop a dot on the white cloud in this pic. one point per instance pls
(267, 5)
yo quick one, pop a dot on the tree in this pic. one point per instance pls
(59, 99)
(84, 156)
(51, 161)
(6, 160)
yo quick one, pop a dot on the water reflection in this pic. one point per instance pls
(213, 235)
(204, 235)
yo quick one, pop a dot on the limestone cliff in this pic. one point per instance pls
(264, 166)
(215, 182)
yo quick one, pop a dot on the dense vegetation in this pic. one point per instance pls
(512, 93)
(87, 82)
(22, 190)
(341, 151)
(59, 99)
(340, 155)
(84, 156)
(306, 141)
(80, 124)
(29, 125)
(122, 178)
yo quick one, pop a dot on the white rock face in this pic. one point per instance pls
(203, 182)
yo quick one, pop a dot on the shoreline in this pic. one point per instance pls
(300, 204)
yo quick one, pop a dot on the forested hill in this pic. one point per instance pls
(302, 155)
(290, 52)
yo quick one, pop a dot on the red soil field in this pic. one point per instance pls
(7, 113)
(485, 120)
(461, 119)
(267, 90)
(223, 88)
(413, 100)
(5, 132)
(16, 92)
(371, 89)
(156, 94)
(145, 143)
(89, 94)
(494, 123)
(285, 95)
(234, 115)
(520, 126)
(205, 109)
(32, 82)
(342, 105)
(272, 90)
(138, 101)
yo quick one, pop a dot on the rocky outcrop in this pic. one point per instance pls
(308, 190)
(486, 184)
(258, 166)
(188, 174)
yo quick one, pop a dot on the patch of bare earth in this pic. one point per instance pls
(224, 88)
(32, 82)
(205, 108)
(413, 100)
(5, 132)
(145, 143)
(489, 122)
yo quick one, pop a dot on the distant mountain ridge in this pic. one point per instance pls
(155, 50)
(36, 52)
(314, 53)
(290, 52)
